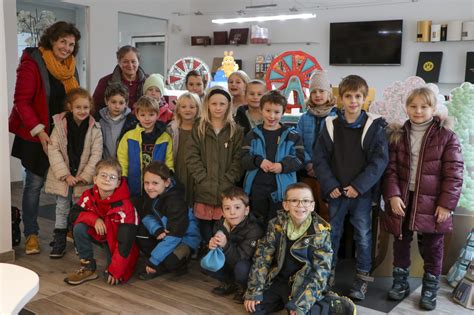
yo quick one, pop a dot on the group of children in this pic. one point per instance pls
(167, 187)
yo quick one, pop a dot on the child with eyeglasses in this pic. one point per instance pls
(75, 149)
(292, 262)
(272, 153)
(105, 215)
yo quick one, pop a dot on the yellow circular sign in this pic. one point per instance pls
(428, 66)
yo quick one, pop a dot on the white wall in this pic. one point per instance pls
(6, 7)
(131, 25)
(454, 57)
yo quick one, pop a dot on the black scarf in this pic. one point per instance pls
(75, 141)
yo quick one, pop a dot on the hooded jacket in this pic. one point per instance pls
(374, 147)
(121, 221)
(439, 177)
(290, 153)
(241, 240)
(114, 129)
(214, 162)
(129, 155)
(168, 212)
(313, 250)
(59, 160)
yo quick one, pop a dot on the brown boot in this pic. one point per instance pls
(85, 273)
(32, 245)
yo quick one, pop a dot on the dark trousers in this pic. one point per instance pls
(178, 259)
(276, 297)
(239, 273)
(262, 205)
(432, 246)
(206, 229)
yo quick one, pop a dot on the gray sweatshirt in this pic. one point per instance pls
(111, 128)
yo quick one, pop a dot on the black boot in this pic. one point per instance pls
(224, 288)
(400, 287)
(58, 244)
(359, 286)
(428, 291)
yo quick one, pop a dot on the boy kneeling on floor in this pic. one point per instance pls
(105, 215)
(237, 234)
(292, 262)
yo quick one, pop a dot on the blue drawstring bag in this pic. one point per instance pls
(214, 260)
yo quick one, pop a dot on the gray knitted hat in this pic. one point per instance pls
(319, 80)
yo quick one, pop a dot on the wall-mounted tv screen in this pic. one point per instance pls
(366, 43)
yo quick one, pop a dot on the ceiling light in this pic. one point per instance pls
(260, 6)
(265, 18)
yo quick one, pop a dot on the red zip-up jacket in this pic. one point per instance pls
(121, 221)
(439, 178)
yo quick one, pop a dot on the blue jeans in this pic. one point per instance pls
(238, 274)
(360, 216)
(30, 202)
(83, 242)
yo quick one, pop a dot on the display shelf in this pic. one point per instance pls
(446, 41)
(290, 43)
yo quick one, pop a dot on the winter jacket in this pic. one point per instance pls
(30, 113)
(129, 155)
(374, 146)
(214, 162)
(121, 223)
(241, 240)
(173, 130)
(313, 250)
(439, 177)
(290, 153)
(116, 78)
(241, 118)
(168, 212)
(113, 130)
(59, 160)
(309, 127)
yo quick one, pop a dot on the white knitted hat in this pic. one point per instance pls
(319, 80)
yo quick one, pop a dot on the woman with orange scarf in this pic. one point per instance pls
(44, 77)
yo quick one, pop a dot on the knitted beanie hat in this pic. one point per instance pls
(154, 79)
(319, 80)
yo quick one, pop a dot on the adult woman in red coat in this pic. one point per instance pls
(128, 73)
(44, 77)
(421, 187)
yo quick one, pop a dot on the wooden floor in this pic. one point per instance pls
(187, 294)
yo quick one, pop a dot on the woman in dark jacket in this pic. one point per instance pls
(421, 186)
(128, 73)
(44, 77)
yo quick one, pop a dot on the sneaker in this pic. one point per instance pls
(70, 236)
(224, 289)
(148, 276)
(32, 245)
(58, 244)
(360, 285)
(339, 305)
(85, 273)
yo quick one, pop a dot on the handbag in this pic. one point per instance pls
(214, 260)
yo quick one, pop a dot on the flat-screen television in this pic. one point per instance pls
(366, 43)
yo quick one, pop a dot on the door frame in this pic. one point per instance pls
(153, 38)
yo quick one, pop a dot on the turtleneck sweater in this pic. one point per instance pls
(417, 131)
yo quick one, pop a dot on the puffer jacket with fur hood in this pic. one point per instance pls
(59, 161)
(438, 180)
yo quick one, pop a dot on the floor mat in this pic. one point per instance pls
(376, 297)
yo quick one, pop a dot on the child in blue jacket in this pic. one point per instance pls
(320, 104)
(272, 154)
(168, 232)
(349, 159)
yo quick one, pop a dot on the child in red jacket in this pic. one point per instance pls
(422, 186)
(105, 215)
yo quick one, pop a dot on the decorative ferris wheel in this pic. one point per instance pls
(289, 72)
(178, 71)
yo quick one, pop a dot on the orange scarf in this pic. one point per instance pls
(63, 71)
